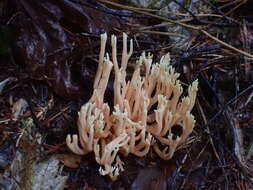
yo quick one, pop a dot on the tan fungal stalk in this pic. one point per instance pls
(146, 108)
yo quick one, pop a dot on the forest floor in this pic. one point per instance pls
(48, 59)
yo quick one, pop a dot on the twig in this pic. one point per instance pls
(236, 7)
(148, 14)
(227, 45)
(178, 23)
(230, 102)
(246, 45)
(208, 130)
(163, 33)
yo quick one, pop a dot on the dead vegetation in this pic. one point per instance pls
(48, 60)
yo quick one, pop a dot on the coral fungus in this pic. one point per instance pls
(145, 110)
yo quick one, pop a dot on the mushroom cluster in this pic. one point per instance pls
(145, 110)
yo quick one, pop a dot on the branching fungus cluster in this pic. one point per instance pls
(145, 110)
